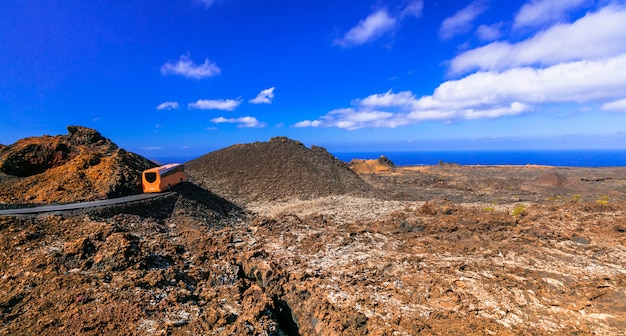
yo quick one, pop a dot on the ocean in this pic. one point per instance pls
(563, 158)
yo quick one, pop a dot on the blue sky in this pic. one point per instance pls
(187, 77)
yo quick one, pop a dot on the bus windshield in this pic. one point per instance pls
(150, 177)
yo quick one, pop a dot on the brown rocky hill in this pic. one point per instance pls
(80, 166)
(280, 169)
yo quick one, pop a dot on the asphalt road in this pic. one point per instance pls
(82, 205)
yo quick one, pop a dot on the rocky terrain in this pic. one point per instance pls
(287, 240)
(80, 166)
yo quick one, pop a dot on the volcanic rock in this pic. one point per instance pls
(557, 183)
(80, 166)
(459, 262)
(382, 164)
(279, 169)
(551, 179)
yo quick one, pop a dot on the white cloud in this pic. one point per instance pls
(308, 123)
(378, 24)
(217, 104)
(150, 148)
(186, 67)
(461, 21)
(571, 63)
(242, 122)
(414, 8)
(579, 81)
(264, 97)
(351, 119)
(386, 100)
(167, 106)
(595, 36)
(371, 28)
(489, 32)
(539, 12)
(488, 95)
(616, 106)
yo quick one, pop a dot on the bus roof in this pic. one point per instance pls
(163, 169)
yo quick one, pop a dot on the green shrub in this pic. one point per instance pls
(603, 200)
(518, 210)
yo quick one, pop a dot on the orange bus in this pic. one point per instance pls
(163, 178)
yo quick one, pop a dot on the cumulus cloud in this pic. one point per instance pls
(169, 105)
(371, 28)
(461, 21)
(217, 104)
(540, 12)
(241, 122)
(595, 36)
(615, 106)
(579, 81)
(187, 68)
(488, 95)
(264, 97)
(572, 63)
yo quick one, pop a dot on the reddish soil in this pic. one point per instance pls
(437, 250)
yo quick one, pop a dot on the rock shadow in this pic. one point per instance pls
(195, 196)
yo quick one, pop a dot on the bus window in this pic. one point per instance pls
(150, 177)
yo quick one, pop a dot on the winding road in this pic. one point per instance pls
(82, 205)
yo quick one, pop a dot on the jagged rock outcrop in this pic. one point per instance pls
(82, 165)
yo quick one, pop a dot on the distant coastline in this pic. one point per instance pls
(560, 158)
